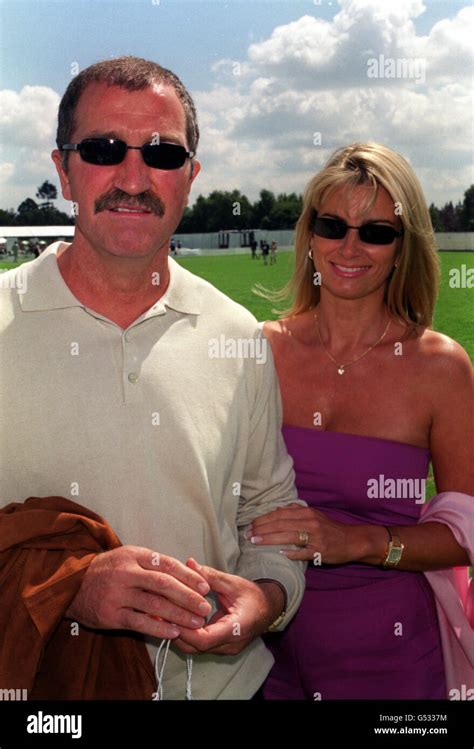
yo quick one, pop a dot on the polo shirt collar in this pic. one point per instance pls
(47, 290)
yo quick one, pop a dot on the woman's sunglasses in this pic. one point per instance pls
(370, 233)
(109, 152)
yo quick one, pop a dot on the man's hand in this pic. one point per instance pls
(246, 611)
(135, 588)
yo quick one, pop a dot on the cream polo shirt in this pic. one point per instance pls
(169, 429)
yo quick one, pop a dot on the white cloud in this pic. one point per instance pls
(259, 118)
(308, 43)
(449, 47)
(29, 116)
(6, 171)
(310, 76)
(27, 129)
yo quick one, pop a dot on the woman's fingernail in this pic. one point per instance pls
(256, 539)
(173, 631)
(203, 588)
(197, 622)
(248, 532)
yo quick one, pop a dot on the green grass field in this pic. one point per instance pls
(236, 274)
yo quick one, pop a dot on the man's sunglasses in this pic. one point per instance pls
(109, 152)
(370, 233)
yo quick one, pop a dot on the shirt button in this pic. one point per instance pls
(133, 377)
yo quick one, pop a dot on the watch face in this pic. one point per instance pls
(394, 554)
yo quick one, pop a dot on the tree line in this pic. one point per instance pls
(227, 210)
(31, 213)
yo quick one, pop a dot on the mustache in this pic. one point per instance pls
(144, 200)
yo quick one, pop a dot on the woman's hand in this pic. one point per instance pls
(329, 542)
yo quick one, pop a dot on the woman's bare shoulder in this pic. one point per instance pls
(275, 329)
(444, 359)
(287, 327)
(283, 332)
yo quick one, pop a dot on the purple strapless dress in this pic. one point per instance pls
(361, 632)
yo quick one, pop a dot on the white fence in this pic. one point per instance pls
(458, 240)
(208, 244)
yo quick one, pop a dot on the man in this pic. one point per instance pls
(155, 402)
(273, 252)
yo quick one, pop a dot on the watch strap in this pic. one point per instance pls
(274, 625)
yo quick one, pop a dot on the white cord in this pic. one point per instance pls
(159, 671)
(189, 672)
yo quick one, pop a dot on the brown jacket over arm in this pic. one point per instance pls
(46, 545)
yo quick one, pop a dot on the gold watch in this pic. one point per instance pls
(274, 625)
(395, 550)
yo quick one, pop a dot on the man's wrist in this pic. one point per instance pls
(277, 598)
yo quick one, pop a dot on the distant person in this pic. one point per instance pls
(173, 247)
(253, 248)
(178, 246)
(265, 252)
(16, 250)
(273, 252)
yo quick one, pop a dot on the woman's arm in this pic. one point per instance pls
(428, 546)
(449, 378)
(452, 429)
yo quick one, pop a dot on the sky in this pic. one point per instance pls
(278, 85)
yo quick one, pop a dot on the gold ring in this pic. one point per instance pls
(303, 538)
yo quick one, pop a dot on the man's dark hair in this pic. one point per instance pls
(133, 74)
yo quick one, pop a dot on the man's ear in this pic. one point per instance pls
(195, 169)
(57, 157)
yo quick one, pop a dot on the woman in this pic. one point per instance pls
(370, 394)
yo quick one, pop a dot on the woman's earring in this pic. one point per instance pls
(310, 254)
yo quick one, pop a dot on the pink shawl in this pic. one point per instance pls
(454, 593)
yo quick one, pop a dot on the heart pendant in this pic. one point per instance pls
(340, 370)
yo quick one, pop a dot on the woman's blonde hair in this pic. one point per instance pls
(412, 288)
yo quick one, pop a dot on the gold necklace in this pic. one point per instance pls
(341, 367)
